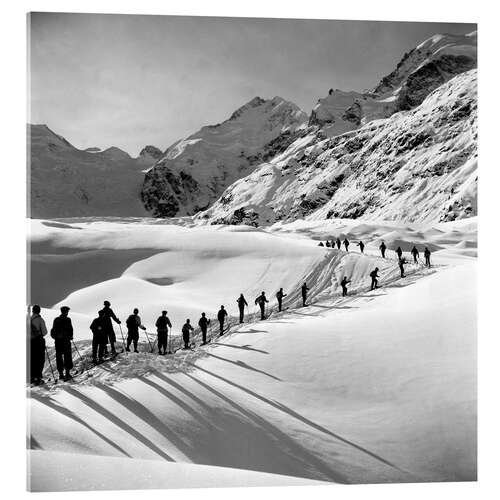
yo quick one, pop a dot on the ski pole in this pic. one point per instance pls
(77, 351)
(170, 343)
(123, 338)
(50, 364)
(149, 342)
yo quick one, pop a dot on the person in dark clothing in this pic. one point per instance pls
(98, 338)
(374, 275)
(133, 325)
(320, 244)
(261, 301)
(241, 306)
(343, 284)
(221, 316)
(427, 255)
(399, 253)
(304, 291)
(415, 254)
(162, 325)
(361, 246)
(62, 333)
(346, 244)
(203, 324)
(186, 329)
(402, 262)
(38, 330)
(279, 297)
(108, 325)
(327, 244)
(338, 243)
(383, 248)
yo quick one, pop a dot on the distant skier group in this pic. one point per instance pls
(103, 333)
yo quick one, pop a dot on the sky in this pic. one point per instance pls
(128, 81)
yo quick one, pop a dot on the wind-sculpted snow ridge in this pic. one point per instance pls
(68, 182)
(418, 73)
(416, 166)
(195, 171)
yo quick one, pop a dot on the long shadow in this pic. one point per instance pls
(68, 413)
(118, 422)
(245, 347)
(175, 399)
(250, 330)
(295, 450)
(241, 364)
(146, 415)
(303, 419)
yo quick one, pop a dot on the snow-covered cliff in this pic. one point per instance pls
(417, 165)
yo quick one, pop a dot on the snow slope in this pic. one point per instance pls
(416, 166)
(194, 171)
(375, 387)
(65, 181)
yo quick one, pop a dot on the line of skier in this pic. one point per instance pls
(103, 332)
(383, 248)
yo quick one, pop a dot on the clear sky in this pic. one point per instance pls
(127, 81)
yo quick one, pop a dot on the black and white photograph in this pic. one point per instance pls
(251, 251)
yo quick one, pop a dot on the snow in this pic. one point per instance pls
(114, 473)
(374, 387)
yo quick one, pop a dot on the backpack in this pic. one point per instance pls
(131, 322)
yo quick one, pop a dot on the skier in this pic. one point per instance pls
(108, 326)
(162, 325)
(361, 246)
(402, 261)
(37, 346)
(186, 328)
(261, 301)
(304, 291)
(62, 333)
(221, 316)
(327, 244)
(279, 297)
(320, 244)
(98, 338)
(415, 254)
(399, 253)
(427, 255)
(133, 325)
(241, 306)
(343, 284)
(383, 248)
(203, 324)
(346, 244)
(338, 244)
(374, 276)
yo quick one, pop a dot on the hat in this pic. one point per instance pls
(64, 309)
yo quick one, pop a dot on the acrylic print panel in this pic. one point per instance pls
(252, 250)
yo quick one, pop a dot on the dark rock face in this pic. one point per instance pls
(353, 114)
(165, 192)
(152, 152)
(431, 76)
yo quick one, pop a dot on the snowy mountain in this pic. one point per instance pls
(194, 172)
(418, 73)
(417, 165)
(68, 182)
